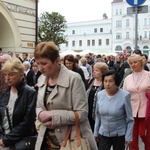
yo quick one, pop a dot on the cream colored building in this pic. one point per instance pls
(18, 25)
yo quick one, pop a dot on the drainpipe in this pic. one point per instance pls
(36, 22)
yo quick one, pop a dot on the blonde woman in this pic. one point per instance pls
(137, 84)
(94, 87)
(20, 99)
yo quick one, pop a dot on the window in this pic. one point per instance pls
(145, 34)
(118, 35)
(145, 21)
(93, 42)
(120, 11)
(140, 37)
(88, 42)
(67, 44)
(99, 42)
(107, 41)
(149, 21)
(118, 24)
(127, 23)
(128, 48)
(95, 30)
(118, 48)
(127, 35)
(101, 29)
(73, 31)
(149, 35)
(145, 47)
(73, 43)
(116, 11)
(80, 42)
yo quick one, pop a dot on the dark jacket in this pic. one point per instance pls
(29, 78)
(3, 84)
(80, 71)
(23, 118)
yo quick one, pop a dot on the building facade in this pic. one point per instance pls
(110, 35)
(123, 28)
(94, 35)
(18, 25)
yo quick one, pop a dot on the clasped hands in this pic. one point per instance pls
(46, 118)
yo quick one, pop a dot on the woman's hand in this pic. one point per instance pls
(148, 89)
(45, 116)
(96, 138)
(49, 125)
(128, 144)
(1, 143)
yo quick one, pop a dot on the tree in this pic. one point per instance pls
(51, 27)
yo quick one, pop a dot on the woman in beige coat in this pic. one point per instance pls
(61, 92)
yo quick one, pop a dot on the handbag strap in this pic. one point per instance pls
(78, 135)
(7, 114)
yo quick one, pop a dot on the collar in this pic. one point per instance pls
(62, 78)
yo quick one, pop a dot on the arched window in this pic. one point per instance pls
(118, 48)
(145, 47)
(128, 48)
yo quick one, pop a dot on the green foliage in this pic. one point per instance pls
(51, 27)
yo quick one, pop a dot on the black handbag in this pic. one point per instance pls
(26, 143)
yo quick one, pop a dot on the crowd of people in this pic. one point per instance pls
(111, 95)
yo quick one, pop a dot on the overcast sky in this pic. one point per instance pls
(77, 10)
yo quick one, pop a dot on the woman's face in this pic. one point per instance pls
(135, 64)
(13, 78)
(46, 66)
(144, 60)
(69, 64)
(109, 82)
(97, 73)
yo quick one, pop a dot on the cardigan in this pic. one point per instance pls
(114, 115)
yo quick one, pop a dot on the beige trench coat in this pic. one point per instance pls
(68, 95)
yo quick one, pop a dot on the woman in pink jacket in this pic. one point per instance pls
(137, 84)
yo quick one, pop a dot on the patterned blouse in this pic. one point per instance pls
(50, 138)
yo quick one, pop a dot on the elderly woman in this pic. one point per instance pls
(139, 81)
(20, 100)
(94, 87)
(114, 120)
(61, 92)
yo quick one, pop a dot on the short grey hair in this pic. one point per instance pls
(27, 63)
(5, 57)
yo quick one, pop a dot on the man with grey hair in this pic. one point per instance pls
(3, 59)
(28, 73)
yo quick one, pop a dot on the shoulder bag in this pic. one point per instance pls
(25, 143)
(79, 143)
